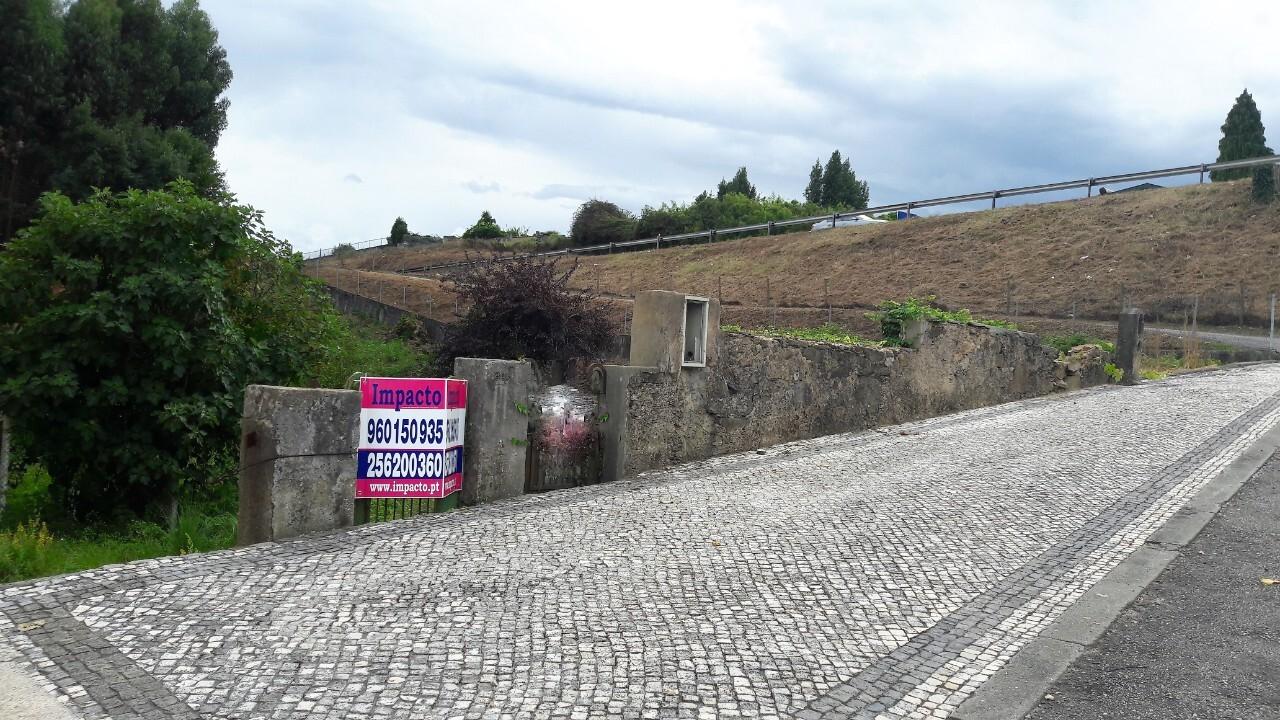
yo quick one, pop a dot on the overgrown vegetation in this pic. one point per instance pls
(894, 316)
(1064, 343)
(132, 323)
(31, 546)
(829, 333)
(523, 307)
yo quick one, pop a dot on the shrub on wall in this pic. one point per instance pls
(522, 307)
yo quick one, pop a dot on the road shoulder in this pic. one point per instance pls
(1031, 673)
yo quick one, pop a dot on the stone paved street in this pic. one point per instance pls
(881, 573)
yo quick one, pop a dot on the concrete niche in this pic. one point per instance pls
(672, 331)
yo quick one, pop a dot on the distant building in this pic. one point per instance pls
(1141, 186)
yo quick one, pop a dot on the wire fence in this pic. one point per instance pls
(714, 235)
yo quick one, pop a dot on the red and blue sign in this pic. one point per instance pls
(411, 434)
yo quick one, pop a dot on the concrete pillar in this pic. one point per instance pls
(497, 433)
(1129, 345)
(297, 461)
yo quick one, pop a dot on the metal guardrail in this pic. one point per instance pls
(712, 235)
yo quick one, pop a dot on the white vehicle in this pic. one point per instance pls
(846, 222)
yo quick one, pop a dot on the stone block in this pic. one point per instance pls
(297, 461)
(497, 433)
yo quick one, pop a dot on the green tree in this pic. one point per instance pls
(739, 184)
(108, 93)
(597, 222)
(31, 90)
(813, 191)
(130, 324)
(1243, 137)
(485, 228)
(666, 219)
(399, 230)
(841, 188)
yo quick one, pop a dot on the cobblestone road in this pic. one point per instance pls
(888, 572)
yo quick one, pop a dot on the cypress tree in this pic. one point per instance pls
(1243, 137)
(813, 191)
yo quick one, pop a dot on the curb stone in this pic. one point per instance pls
(1013, 691)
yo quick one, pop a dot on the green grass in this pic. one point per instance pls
(1064, 343)
(29, 548)
(360, 346)
(829, 333)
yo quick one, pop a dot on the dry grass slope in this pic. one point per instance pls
(1158, 248)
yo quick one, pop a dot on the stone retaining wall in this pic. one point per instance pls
(763, 391)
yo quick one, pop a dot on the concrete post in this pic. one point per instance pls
(1129, 345)
(497, 433)
(297, 461)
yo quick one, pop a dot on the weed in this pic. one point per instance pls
(893, 316)
(1064, 343)
(828, 333)
(1113, 372)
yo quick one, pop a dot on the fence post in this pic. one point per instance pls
(1090, 193)
(657, 242)
(1243, 301)
(768, 299)
(826, 297)
(719, 288)
(4, 460)
(404, 295)
(769, 231)
(1271, 334)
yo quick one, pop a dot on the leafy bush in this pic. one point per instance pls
(523, 307)
(597, 222)
(129, 326)
(342, 250)
(894, 316)
(486, 228)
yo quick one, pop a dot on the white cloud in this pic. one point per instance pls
(445, 109)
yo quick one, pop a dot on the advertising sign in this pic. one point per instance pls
(410, 437)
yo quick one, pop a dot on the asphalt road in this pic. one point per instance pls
(1203, 640)
(1251, 342)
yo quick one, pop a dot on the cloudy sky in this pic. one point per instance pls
(347, 114)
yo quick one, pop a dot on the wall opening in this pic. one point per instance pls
(695, 332)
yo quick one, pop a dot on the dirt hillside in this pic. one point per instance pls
(1158, 249)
